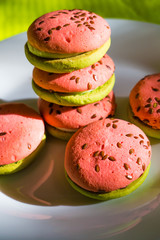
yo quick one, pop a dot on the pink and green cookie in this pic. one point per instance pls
(144, 110)
(67, 40)
(22, 135)
(107, 159)
(62, 121)
(80, 87)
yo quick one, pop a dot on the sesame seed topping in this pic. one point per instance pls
(143, 166)
(95, 154)
(84, 146)
(139, 161)
(138, 108)
(129, 177)
(97, 168)
(89, 86)
(129, 135)
(155, 89)
(2, 133)
(155, 105)
(50, 111)
(58, 28)
(131, 151)
(94, 77)
(29, 146)
(104, 157)
(137, 95)
(79, 110)
(147, 105)
(126, 166)
(150, 111)
(111, 158)
(72, 78)
(66, 25)
(41, 22)
(119, 145)
(93, 116)
(149, 100)
(141, 136)
(47, 39)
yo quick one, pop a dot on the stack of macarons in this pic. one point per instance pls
(72, 75)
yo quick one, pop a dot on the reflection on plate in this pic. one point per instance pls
(38, 203)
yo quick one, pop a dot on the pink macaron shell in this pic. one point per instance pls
(76, 117)
(78, 81)
(21, 131)
(67, 31)
(145, 100)
(107, 155)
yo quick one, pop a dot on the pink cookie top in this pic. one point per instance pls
(107, 155)
(21, 131)
(66, 31)
(145, 100)
(77, 81)
(76, 117)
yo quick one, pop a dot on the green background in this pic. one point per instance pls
(17, 15)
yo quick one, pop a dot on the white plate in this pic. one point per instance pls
(38, 203)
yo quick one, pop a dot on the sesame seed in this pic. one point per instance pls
(111, 158)
(93, 116)
(97, 168)
(139, 161)
(129, 177)
(119, 145)
(126, 166)
(79, 110)
(131, 151)
(84, 146)
(129, 135)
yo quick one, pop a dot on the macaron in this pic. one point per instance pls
(22, 134)
(62, 121)
(67, 40)
(107, 159)
(144, 110)
(83, 86)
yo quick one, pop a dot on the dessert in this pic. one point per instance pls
(22, 134)
(144, 110)
(107, 159)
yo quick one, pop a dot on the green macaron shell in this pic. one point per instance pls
(55, 132)
(19, 165)
(76, 99)
(42, 54)
(69, 64)
(149, 131)
(114, 194)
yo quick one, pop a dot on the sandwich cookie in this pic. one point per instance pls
(144, 110)
(62, 121)
(107, 159)
(67, 40)
(21, 136)
(77, 88)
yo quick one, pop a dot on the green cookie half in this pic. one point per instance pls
(55, 132)
(114, 194)
(149, 131)
(75, 99)
(17, 166)
(69, 64)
